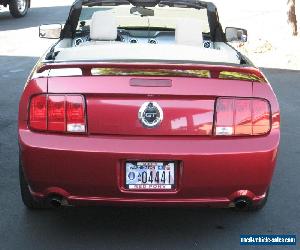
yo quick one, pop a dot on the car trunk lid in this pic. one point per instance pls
(114, 102)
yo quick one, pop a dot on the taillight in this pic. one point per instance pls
(242, 116)
(58, 113)
(38, 112)
(75, 114)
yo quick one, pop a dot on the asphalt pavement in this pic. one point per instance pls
(132, 228)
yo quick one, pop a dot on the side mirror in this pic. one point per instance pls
(236, 34)
(50, 31)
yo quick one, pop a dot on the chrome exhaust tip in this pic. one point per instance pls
(242, 203)
(57, 201)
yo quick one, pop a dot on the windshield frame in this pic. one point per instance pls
(164, 18)
(216, 31)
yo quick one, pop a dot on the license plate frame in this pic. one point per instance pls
(167, 166)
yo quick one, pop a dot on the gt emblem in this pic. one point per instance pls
(150, 114)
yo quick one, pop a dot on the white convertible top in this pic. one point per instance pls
(170, 52)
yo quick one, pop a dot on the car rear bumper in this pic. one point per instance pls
(88, 170)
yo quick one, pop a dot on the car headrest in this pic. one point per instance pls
(104, 26)
(189, 32)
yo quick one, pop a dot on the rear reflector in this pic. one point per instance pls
(58, 113)
(242, 116)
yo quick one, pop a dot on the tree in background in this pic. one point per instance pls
(292, 19)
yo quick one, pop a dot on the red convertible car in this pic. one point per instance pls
(146, 103)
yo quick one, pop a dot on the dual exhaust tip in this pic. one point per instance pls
(242, 203)
(57, 201)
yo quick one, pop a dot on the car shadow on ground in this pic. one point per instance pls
(35, 17)
(157, 228)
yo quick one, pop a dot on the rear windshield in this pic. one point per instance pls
(164, 17)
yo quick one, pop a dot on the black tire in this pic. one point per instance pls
(16, 10)
(27, 198)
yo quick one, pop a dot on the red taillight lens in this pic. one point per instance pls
(38, 112)
(58, 113)
(261, 117)
(242, 116)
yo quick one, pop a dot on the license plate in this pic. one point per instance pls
(150, 175)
